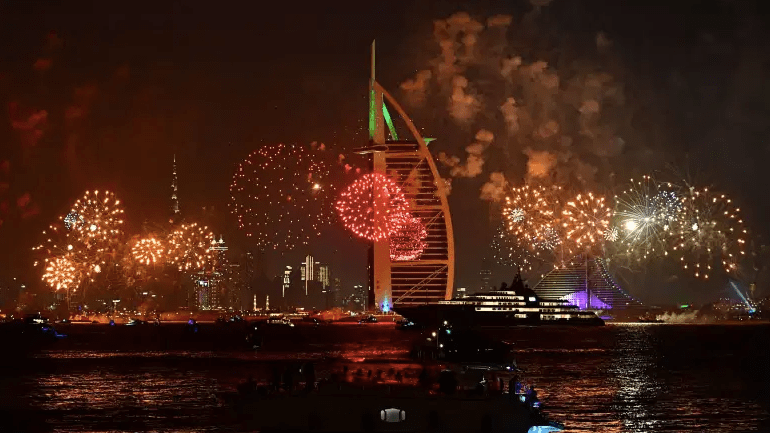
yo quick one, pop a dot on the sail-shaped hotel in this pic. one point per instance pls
(428, 278)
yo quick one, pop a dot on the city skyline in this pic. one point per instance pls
(157, 129)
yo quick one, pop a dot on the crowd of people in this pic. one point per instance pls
(292, 378)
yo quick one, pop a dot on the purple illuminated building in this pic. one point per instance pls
(585, 282)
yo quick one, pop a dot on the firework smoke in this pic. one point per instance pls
(550, 123)
(474, 164)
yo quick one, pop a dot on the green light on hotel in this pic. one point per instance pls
(389, 121)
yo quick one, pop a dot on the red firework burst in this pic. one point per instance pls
(373, 207)
(409, 241)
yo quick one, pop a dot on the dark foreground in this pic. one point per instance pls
(617, 378)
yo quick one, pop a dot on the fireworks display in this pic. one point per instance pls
(539, 223)
(61, 274)
(699, 227)
(585, 220)
(91, 236)
(529, 216)
(189, 247)
(508, 250)
(280, 195)
(148, 251)
(408, 242)
(72, 220)
(645, 214)
(708, 229)
(373, 207)
(101, 220)
(611, 234)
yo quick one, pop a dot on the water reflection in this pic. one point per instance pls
(665, 378)
(141, 399)
(633, 374)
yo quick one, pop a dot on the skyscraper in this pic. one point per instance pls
(175, 212)
(286, 282)
(428, 278)
(211, 282)
(486, 276)
(361, 296)
(323, 275)
(311, 270)
(335, 293)
(249, 275)
(307, 271)
(316, 282)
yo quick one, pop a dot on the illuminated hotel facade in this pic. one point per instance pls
(587, 283)
(430, 277)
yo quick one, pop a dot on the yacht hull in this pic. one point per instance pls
(466, 315)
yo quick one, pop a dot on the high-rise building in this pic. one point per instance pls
(211, 283)
(286, 284)
(235, 287)
(428, 278)
(307, 272)
(486, 276)
(175, 211)
(323, 275)
(361, 295)
(312, 272)
(219, 248)
(334, 293)
(206, 292)
(249, 279)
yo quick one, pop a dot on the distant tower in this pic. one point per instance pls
(486, 276)
(286, 282)
(174, 198)
(308, 271)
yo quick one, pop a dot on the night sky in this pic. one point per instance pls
(99, 96)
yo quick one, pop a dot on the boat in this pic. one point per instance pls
(32, 332)
(408, 325)
(515, 306)
(468, 390)
(279, 321)
(466, 347)
(463, 404)
(649, 318)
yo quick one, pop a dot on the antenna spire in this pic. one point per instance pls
(174, 198)
(372, 101)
